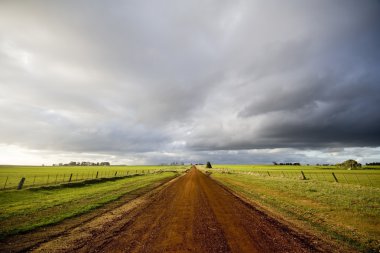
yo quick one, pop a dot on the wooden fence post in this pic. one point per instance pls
(22, 181)
(336, 180)
(115, 173)
(71, 176)
(97, 174)
(303, 175)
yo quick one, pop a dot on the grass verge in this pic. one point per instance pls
(25, 210)
(347, 213)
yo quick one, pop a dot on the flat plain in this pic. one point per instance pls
(229, 208)
(347, 211)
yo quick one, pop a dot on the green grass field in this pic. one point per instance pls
(364, 177)
(349, 213)
(10, 176)
(25, 210)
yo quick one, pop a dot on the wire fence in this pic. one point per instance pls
(358, 178)
(8, 182)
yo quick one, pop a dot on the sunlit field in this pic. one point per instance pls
(346, 209)
(10, 176)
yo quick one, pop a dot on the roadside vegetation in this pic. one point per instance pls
(345, 212)
(27, 209)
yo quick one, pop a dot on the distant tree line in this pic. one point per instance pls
(293, 164)
(83, 164)
(374, 163)
(173, 163)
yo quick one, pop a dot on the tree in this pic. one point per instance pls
(208, 165)
(350, 164)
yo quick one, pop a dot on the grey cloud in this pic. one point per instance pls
(189, 78)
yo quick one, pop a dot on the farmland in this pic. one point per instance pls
(364, 177)
(189, 213)
(347, 211)
(10, 176)
(288, 210)
(49, 203)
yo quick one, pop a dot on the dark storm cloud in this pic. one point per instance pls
(166, 79)
(320, 90)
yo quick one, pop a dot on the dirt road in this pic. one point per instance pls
(191, 214)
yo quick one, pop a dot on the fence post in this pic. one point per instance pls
(21, 183)
(336, 180)
(5, 184)
(115, 173)
(303, 175)
(97, 173)
(71, 176)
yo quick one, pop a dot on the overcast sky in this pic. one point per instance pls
(147, 82)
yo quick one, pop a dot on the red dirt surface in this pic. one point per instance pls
(190, 214)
